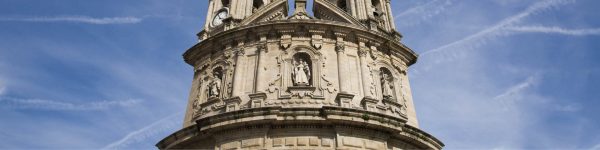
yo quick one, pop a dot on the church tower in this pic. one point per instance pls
(264, 79)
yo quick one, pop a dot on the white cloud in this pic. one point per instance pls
(76, 19)
(494, 31)
(165, 124)
(42, 104)
(555, 30)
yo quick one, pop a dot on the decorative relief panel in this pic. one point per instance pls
(299, 73)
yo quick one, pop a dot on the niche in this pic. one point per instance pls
(215, 83)
(387, 83)
(302, 70)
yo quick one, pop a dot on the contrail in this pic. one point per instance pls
(164, 124)
(42, 104)
(416, 15)
(518, 88)
(75, 19)
(555, 30)
(493, 31)
(414, 10)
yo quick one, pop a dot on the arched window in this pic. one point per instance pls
(377, 10)
(257, 4)
(342, 4)
(387, 83)
(225, 3)
(302, 70)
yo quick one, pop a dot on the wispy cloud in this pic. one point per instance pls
(518, 88)
(42, 104)
(569, 108)
(75, 19)
(418, 14)
(165, 124)
(494, 31)
(516, 92)
(555, 30)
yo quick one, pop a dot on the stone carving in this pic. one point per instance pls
(387, 86)
(272, 85)
(301, 73)
(301, 91)
(262, 47)
(340, 47)
(239, 52)
(214, 87)
(300, 11)
(328, 85)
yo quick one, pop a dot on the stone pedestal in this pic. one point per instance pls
(344, 99)
(369, 104)
(232, 104)
(257, 100)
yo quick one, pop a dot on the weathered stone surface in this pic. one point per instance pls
(265, 80)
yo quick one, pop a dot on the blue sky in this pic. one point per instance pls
(493, 74)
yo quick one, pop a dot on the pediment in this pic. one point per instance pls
(272, 11)
(324, 9)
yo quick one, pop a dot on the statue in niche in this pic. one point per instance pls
(387, 86)
(301, 73)
(214, 86)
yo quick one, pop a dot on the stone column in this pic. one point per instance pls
(391, 22)
(261, 49)
(343, 98)
(341, 59)
(237, 75)
(361, 10)
(351, 7)
(362, 53)
(209, 15)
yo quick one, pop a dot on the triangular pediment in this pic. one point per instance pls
(324, 9)
(273, 11)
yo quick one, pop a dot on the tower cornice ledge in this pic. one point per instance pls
(212, 43)
(269, 118)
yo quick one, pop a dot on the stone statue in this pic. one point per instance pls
(301, 73)
(214, 87)
(386, 86)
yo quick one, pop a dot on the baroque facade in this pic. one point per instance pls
(268, 80)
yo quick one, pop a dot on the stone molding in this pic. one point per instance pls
(338, 118)
(285, 28)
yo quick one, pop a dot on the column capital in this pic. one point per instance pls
(261, 47)
(362, 52)
(340, 46)
(239, 51)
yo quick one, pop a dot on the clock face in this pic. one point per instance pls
(218, 20)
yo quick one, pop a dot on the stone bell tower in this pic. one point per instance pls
(264, 79)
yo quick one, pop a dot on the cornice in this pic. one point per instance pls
(289, 25)
(335, 116)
